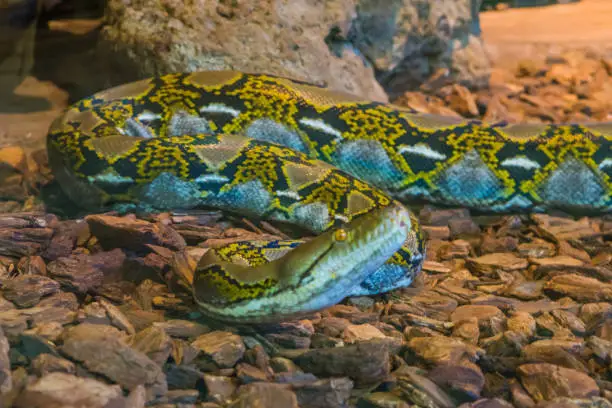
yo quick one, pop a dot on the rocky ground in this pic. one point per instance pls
(509, 311)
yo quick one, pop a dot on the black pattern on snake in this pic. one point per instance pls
(330, 162)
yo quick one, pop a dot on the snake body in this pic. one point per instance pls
(332, 163)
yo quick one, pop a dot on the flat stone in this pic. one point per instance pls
(182, 328)
(523, 323)
(580, 288)
(489, 263)
(467, 330)
(349, 361)
(32, 265)
(27, 290)
(44, 364)
(247, 373)
(465, 379)
(102, 350)
(130, 233)
(154, 342)
(325, 393)
(223, 348)
(559, 352)
(415, 387)
(265, 395)
(76, 273)
(443, 350)
(18, 242)
(117, 318)
(219, 388)
(66, 390)
(548, 381)
(6, 383)
(360, 332)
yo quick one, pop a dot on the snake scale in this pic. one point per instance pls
(332, 163)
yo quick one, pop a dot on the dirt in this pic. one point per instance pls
(518, 33)
(509, 34)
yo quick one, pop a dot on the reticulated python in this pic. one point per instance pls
(326, 161)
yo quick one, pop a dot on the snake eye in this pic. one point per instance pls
(340, 235)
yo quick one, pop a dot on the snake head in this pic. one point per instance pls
(315, 275)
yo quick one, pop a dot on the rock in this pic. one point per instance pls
(559, 352)
(414, 387)
(522, 323)
(235, 39)
(102, 350)
(520, 396)
(6, 383)
(75, 273)
(154, 342)
(580, 288)
(223, 348)
(443, 350)
(549, 326)
(18, 242)
(117, 318)
(537, 248)
(182, 328)
(360, 332)
(13, 323)
(569, 320)
(467, 330)
(178, 398)
(264, 395)
(527, 290)
(326, 393)
(247, 373)
(487, 403)
(433, 232)
(547, 381)
(489, 263)
(95, 314)
(44, 364)
(137, 398)
(465, 379)
(180, 376)
(128, 233)
(382, 400)
(462, 101)
(328, 46)
(283, 365)
(27, 290)
(218, 388)
(601, 348)
(558, 228)
(32, 265)
(490, 319)
(294, 335)
(61, 390)
(13, 157)
(386, 35)
(349, 362)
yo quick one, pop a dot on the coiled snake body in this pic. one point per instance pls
(329, 162)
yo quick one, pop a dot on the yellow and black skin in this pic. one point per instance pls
(330, 162)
